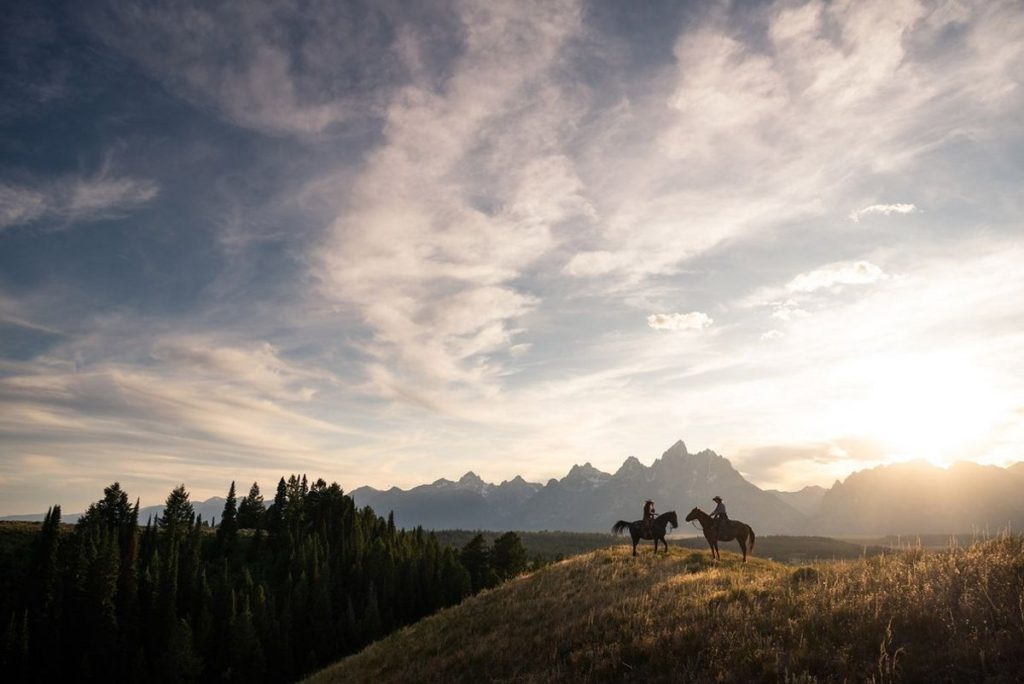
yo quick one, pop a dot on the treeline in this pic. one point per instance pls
(270, 594)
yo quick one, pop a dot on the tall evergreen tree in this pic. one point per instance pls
(178, 513)
(279, 509)
(477, 559)
(508, 557)
(227, 531)
(251, 509)
(112, 511)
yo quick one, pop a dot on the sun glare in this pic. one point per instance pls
(936, 407)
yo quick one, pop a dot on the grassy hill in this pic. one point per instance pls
(551, 546)
(912, 615)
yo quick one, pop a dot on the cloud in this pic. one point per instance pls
(461, 198)
(74, 199)
(837, 274)
(884, 209)
(772, 335)
(788, 311)
(695, 320)
(20, 205)
(781, 104)
(281, 68)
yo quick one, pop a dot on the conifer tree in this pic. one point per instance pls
(178, 513)
(227, 531)
(279, 509)
(477, 559)
(508, 557)
(251, 509)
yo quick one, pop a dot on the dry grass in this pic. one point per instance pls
(956, 615)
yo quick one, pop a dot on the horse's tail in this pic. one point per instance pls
(618, 527)
(751, 538)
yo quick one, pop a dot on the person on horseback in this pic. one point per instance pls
(649, 516)
(719, 515)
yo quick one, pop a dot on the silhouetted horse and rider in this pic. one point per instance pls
(716, 527)
(724, 530)
(653, 528)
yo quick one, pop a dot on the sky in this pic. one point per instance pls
(383, 243)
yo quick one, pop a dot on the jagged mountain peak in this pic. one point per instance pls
(471, 478)
(630, 465)
(519, 483)
(677, 450)
(587, 470)
(585, 476)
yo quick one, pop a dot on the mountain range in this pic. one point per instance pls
(586, 499)
(904, 498)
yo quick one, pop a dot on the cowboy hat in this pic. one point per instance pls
(717, 498)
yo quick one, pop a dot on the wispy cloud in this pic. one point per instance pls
(460, 199)
(695, 320)
(73, 199)
(883, 209)
(236, 58)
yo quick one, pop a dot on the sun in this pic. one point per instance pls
(938, 407)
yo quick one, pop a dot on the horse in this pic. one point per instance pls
(735, 529)
(638, 529)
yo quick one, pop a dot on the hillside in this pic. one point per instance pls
(605, 616)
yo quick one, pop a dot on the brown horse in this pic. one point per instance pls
(734, 529)
(638, 529)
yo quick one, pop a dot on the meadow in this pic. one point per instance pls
(912, 615)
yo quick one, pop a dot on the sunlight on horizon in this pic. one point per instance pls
(937, 407)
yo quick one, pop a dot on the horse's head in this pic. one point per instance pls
(693, 515)
(672, 519)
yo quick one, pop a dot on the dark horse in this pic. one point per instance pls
(638, 530)
(734, 529)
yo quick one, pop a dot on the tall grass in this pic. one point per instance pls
(953, 615)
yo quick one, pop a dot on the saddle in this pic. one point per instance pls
(724, 530)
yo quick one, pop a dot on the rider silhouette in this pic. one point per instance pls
(648, 516)
(719, 515)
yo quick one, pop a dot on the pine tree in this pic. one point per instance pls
(112, 511)
(227, 531)
(44, 600)
(178, 513)
(477, 559)
(508, 557)
(278, 510)
(251, 509)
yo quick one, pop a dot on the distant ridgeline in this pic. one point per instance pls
(273, 593)
(905, 498)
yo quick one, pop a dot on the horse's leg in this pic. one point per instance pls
(636, 538)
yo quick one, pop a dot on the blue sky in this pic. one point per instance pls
(384, 243)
